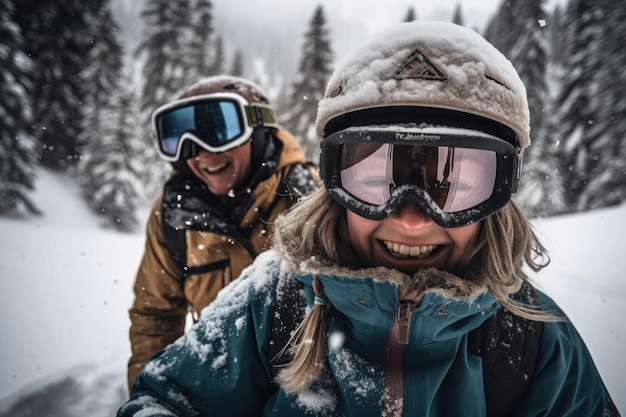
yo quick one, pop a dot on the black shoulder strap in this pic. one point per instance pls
(290, 299)
(173, 234)
(289, 312)
(509, 346)
(176, 242)
(297, 183)
(176, 219)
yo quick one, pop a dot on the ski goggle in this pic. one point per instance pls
(216, 122)
(457, 176)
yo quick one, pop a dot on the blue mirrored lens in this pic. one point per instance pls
(216, 123)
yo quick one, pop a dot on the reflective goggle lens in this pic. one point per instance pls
(216, 123)
(455, 178)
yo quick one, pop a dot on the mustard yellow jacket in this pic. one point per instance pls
(216, 251)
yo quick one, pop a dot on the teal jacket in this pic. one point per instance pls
(221, 366)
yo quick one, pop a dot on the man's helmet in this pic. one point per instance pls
(216, 114)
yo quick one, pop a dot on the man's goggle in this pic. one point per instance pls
(216, 122)
(457, 176)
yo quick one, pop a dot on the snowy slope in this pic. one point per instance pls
(64, 294)
(66, 286)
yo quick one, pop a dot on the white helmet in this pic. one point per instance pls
(431, 65)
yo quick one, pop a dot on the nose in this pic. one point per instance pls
(411, 217)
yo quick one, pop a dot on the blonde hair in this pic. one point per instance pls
(317, 227)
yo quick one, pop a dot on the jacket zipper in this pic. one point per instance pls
(403, 321)
(393, 402)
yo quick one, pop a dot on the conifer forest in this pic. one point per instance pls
(75, 99)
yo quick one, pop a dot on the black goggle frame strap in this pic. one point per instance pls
(260, 116)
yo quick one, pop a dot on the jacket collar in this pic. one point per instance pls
(448, 306)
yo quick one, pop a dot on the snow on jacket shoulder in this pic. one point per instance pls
(221, 367)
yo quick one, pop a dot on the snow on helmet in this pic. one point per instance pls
(433, 65)
(227, 84)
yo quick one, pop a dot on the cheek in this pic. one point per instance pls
(242, 157)
(192, 163)
(465, 240)
(360, 230)
(242, 153)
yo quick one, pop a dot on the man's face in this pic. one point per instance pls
(223, 171)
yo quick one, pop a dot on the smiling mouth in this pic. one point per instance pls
(399, 250)
(217, 168)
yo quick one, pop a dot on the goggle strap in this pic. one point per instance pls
(260, 116)
(519, 154)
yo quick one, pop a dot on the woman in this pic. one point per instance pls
(411, 261)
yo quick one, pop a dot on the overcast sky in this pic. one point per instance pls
(273, 30)
(276, 27)
(347, 20)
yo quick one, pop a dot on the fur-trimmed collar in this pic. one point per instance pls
(427, 280)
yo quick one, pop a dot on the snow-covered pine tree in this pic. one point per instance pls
(555, 26)
(308, 87)
(165, 65)
(517, 32)
(101, 75)
(542, 189)
(163, 50)
(410, 15)
(457, 17)
(201, 54)
(17, 146)
(103, 174)
(237, 66)
(503, 28)
(57, 38)
(607, 174)
(587, 134)
(112, 166)
(218, 64)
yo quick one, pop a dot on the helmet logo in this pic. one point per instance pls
(417, 66)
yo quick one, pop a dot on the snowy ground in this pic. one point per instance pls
(66, 286)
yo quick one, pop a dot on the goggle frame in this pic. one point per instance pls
(508, 170)
(250, 116)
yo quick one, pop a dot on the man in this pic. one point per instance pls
(235, 170)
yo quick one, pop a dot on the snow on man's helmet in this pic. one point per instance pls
(247, 89)
(450, 72)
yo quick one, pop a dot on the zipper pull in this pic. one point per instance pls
(405, 309)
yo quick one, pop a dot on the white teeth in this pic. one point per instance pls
(419, 252)
(216, 168)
